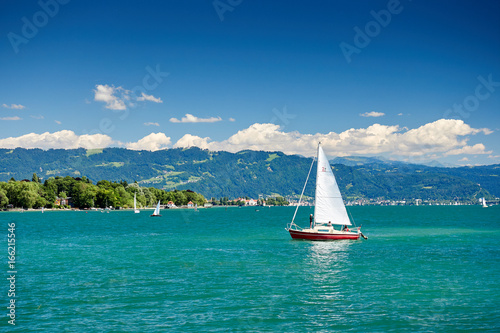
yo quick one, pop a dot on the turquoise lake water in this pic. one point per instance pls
(422, 269)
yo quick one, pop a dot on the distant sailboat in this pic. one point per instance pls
(43, 210)
(157, 210)
(136, 211)
(329, 210)
(484, 203)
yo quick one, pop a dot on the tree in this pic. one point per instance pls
(84, 194)
(194, 197)
(50, 191)
(180, 198)
(124, 197)
(4, 200)
(35, 178)
(40, 202)
(148, 199)
(22, 194)
(280, 201)
(64, 185)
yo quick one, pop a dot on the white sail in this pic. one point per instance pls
(157, 209)
(329, 205)
(135, 204)
(484, 203)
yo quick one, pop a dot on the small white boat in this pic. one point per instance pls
(157, 210)
(136, 211)
(484, 203)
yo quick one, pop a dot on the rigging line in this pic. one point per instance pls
(350, 215)
(300, 199)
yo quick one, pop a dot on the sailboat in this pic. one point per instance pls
(484, 203)
(157, 210)
(330, 221)
(136, 211)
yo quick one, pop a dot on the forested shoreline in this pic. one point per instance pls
(65, 192)
(253, 174)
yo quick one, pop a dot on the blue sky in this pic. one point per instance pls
(407, 80)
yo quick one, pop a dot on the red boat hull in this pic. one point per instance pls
(321, 236)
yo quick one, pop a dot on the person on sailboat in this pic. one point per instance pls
(346, 228)
(311, 221)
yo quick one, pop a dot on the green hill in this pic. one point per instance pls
(249, 173)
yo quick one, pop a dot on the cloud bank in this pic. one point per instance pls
(58, 140)
(444, 136)
(441, 138)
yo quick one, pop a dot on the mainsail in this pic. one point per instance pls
(157, 210)
(135, 204)
(329, 205)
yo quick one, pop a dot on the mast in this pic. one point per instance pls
(301, 194)
(316, 187)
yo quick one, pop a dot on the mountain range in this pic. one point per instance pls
(252, 173)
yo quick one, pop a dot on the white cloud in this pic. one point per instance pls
(437, 139)
(57, 122)
(37, 117)
(106, 94)
(434, 140)
(232, 119)
(11, 118)
(63, 139)
(151, 124)
(150, 98)
(66, 139)
(119, 98)
(441, 136)
(189, 140)
(400, 114)
(14, 106)
(471, 150)
(372, 114)
(152, 142)
(189, 118)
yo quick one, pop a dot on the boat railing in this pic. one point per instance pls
(293, 226)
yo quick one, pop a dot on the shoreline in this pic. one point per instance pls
(22, 210)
